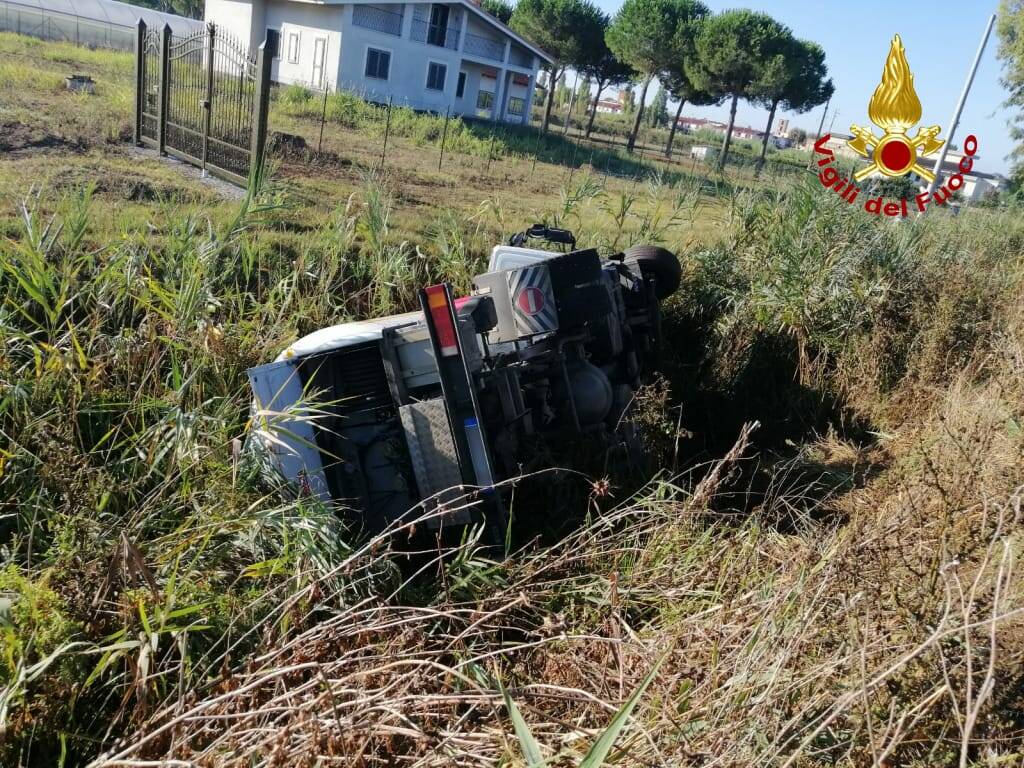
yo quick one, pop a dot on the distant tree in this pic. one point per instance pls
(659, 107)
(797, 135)
(193, 9)
(683, 91)
(190, 8)
(583, 91)
(499, 9)
(629, 100)
(590, 53)
(569, 30)
(1016, 185)
(606, 70)
(678, 82)
(798, 82)
(895, 188)
(732, 51)
(644, 35)
(580, 95)
(1011, 51)
(562, 91)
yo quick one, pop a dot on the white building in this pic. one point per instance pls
(977, 184)
(428, 56)
(609, 106)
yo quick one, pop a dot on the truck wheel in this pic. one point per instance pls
(658, 262)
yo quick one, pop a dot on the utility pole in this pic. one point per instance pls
(821, 125)
(832, 123)
(951, 131)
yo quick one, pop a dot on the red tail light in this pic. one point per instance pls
(437, 301)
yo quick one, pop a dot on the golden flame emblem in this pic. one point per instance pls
(895, 108)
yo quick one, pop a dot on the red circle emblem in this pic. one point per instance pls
(896, 156)
(530, 301)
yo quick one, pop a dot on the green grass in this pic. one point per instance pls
(835, 586)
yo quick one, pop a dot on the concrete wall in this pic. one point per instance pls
(308, 22)
(407, 79)
(467, 104)
(480, 28)
(234, 16)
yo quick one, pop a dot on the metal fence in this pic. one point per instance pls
(203, 99)
(93, 24)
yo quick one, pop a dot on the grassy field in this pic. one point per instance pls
(822, 570)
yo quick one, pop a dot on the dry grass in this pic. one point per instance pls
(837, 587)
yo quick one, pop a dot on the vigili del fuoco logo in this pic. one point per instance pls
(895, 109)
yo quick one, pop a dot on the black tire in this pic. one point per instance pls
(659, 263)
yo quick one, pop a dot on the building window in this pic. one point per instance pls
(436, 74)
(378, 64)
(438, 24)
(460, 86)
(484, 100)
(516, 105)
(293, 47)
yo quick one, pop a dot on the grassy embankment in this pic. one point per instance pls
(838, 589)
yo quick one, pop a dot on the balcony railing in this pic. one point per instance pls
(377, 19)
(521, 57)
(435, 34)
(484, 47)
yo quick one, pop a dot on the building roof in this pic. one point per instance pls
(949, 168)
(112, 12)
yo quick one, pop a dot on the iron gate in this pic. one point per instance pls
(203, 99)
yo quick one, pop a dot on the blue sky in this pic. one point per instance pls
(940, 37)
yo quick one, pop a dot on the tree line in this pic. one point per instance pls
(1011, 52)
(700, 58)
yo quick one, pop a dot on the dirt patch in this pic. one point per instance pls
(307, 158)
(213, 184)
(125, 185)
(18, 138)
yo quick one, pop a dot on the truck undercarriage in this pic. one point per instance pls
(411, 412)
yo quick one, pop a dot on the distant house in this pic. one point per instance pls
(429, 56)
(690, 124)
(610, 106)
(977, 184)
(746, 132)
(836, 143)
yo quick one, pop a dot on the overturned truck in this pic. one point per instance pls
(422, 408)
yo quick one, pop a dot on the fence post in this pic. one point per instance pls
(261, 105)
(536, 152)
(444, 135)
(165, 79)
(387, 130)
(323, 119)
(140, 79)
(211, 34)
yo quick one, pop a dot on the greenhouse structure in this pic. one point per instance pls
(92, 23)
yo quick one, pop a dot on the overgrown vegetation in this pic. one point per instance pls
(835, 586)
